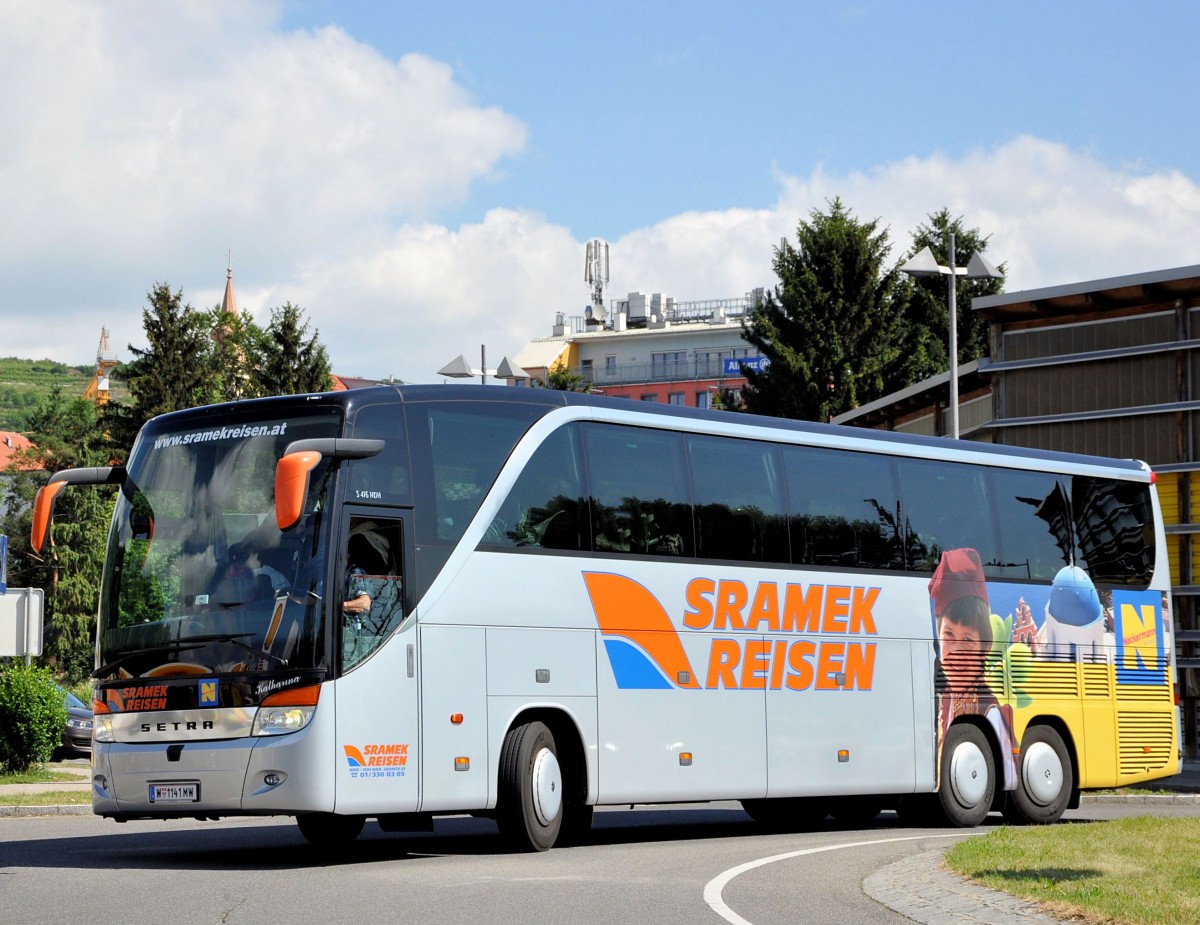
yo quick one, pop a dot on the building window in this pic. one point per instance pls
(651, 397)
(676, 398)
(610, 366)
(668, 365)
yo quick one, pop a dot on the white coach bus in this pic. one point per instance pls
(396, 603)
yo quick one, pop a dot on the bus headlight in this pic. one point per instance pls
(281, 720)
(286, 711)
(102, 728)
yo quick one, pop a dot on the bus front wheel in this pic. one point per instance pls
(1046, 777)
(968, 779)
(326, 830)
(529, 810)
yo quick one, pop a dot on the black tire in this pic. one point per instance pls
(967, 783)
(529, 809)
(327, 830)
(857, 810)
(1045, 778)
(787, 814)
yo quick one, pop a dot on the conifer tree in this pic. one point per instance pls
(924, 334)
(293, 363)
(172, 372)
(829, 327)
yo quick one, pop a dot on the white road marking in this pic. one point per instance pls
(714, 887)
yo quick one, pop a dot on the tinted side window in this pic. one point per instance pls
(945, 506)
(843, 508)
(382, 479)
(1033, 512)
(1115, 530)
(547, 507)
(639, 485)
(738, 497)
(463, 446)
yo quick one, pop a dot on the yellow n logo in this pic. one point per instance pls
(1139, 637)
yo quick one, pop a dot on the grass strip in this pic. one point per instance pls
(1137, 871)
(49, 798)
(40, 776)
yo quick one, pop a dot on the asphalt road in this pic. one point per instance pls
(645, 866)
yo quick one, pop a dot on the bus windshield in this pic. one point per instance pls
(198, 577)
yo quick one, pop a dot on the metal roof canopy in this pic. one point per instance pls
(1100, 295)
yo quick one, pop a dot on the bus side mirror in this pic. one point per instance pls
(297, 463)
(291, 485)
(43, 505)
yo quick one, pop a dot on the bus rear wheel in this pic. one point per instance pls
(529, 810)
(968, 780)
(327, 830)
(1045, 779)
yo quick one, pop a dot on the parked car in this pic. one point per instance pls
(77, 736)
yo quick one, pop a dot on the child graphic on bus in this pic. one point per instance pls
(963, 627)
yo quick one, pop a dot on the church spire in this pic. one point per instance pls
(229, 302)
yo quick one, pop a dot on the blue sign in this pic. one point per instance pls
(733, 366)
(3, 564)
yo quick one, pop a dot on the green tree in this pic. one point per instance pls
(562, 378)
(293, 362)
(829, 327)
(172, 372)
(236, 356)
(66, 433)
(924, 334)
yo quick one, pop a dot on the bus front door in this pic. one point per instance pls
(376, 695)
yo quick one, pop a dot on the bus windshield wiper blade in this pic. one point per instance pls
(182, 645)
(236, 639)
(186, 644)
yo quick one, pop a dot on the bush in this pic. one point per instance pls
(32, 716)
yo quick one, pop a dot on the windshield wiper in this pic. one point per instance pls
(178, 646)
(235, 639)
(186, 644)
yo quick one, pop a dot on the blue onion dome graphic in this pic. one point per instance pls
(1073, 598)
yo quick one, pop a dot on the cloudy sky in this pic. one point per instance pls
(421, 178)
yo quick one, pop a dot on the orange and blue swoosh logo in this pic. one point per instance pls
(354, 757)
(643, 646)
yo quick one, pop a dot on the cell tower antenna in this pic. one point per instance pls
(595, 274)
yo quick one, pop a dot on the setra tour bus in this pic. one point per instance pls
(400, 602)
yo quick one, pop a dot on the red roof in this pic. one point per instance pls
(9, 443)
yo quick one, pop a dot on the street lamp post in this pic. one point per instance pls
(923, 263)
(458, 368)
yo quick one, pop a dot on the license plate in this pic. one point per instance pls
(175, 793)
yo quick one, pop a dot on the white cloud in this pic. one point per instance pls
(1055, 215)
(147, 139)
(144, 140)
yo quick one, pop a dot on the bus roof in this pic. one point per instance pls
(553, 398)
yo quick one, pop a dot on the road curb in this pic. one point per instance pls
(1149, 799)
